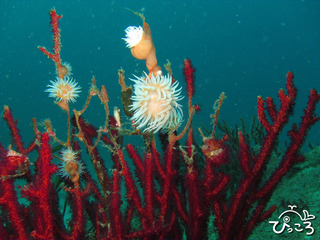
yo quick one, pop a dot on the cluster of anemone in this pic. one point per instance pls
(64, 90)
(155, 100)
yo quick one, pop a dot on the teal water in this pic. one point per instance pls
(243, 48)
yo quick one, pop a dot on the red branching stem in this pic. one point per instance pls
(188, 154)
(193, 194)
(219, 186)
(9, 201)
(292, 90)
(219, 217)
(241, 203)
(266, 214)
(115, 206)
(297, 139)
(129, 215)
(94, 188)
(195, 212)
(167, 181)
(208, 176)
(156, 159)
(7, 115)
(180, 208)
(88, 133)
(274, 130)
(188, 72)
(309, 118)
(132, 191)
(190, 150)
(254, 219)
(77, 222)
(32, 146)
(157, 229)
(100, 219)
(56, 33)
(40, 191)
(271, 108)
(92, 184)
(244, 155)
(46, 52)
(136, 158)
(148, 187)
(238, 201)
(261, 114)
(56, 40)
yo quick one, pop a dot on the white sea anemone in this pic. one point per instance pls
(155, 103)
(69, 163)
(64, 89)
(133, 36)
(66, 69)
(68, 155)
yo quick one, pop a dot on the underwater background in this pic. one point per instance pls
(244, 48)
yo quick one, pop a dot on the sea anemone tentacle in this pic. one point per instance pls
(155, 103)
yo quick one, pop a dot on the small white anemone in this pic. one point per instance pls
(69, 157)
(66, 69)
(155, 103)
(133, 36)
(64, 89)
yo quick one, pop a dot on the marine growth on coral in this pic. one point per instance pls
(172, 187)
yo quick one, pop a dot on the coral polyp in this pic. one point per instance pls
(155, 103)
(65, 89)
(133, 36)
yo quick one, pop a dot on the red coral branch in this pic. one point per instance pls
(39, 192)
(297, 138)
(238, 213)
(271, 108)
(188, 72)
(149, 188)
(7, 115)
(244, 155)
(56, 40)
(156, 158)
(9, 201)
(115, 207)
(194, 200)
(78, 220)
(136, 159)
(167, 181)
(219, 186)
(132, 191)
